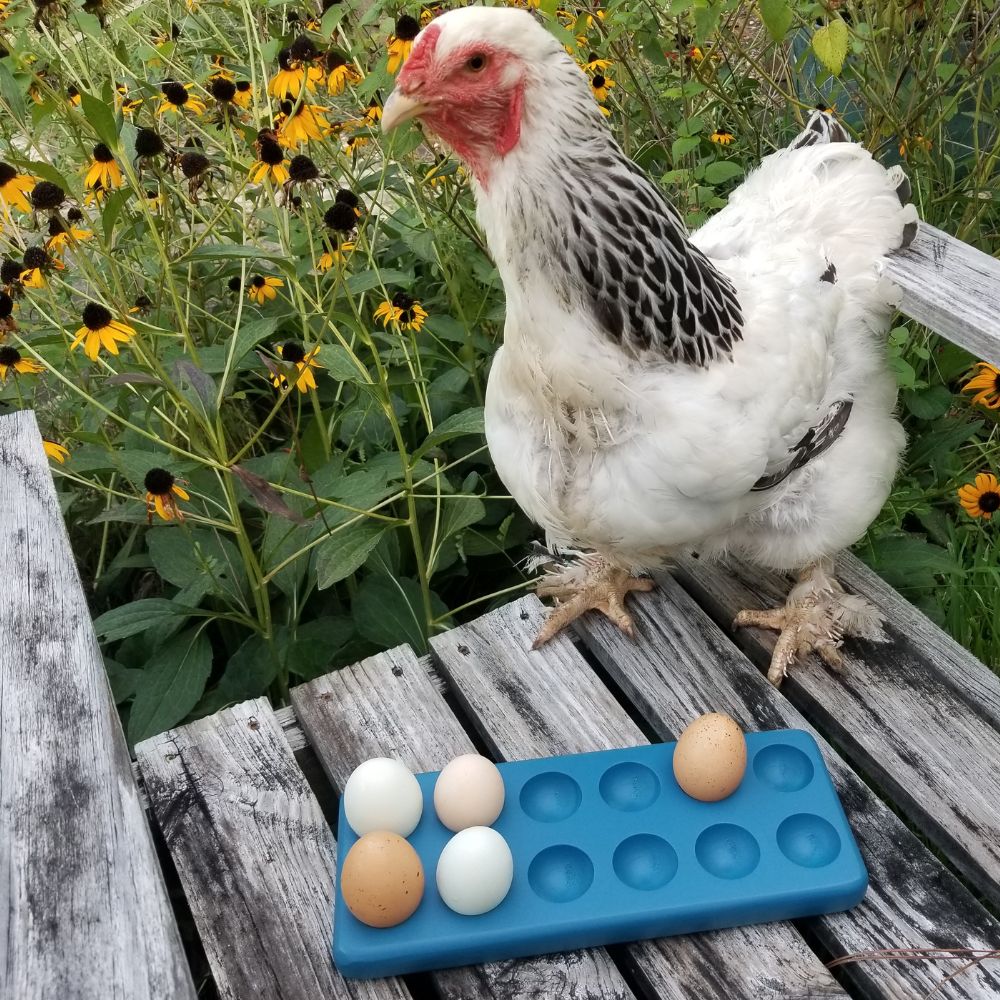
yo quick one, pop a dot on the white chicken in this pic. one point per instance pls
(658, 391)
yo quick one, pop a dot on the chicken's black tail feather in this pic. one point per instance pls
(821, 128)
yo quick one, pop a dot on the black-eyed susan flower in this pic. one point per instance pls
(73, 96)
(47, 196)
(339, 72)
(148, 144)
(601, 86)
(263, 288)
(294, 72)
(11, 361)
(986, 385)
(154, 200)
(193, 164)
(981, 498)
(595, 64)
(271, 162)
(177, 99)
(219, 69)
(100, 330)
(722, 137)
(920, 142)
(400, 42)
(341, 216)
(57, 452)
(15, 187)
(223, 89)
(403, 311)
(299, 125)
(97, 193)
(293, 353)
(141, 306)
(128, 105)
(335, 251)
(427, 14)
(373, 113)
(244, 94)
(162, 494)
(103, 169)
(35, 265)
(301, 169)
(10, 274)
(356, 142)
(61, 236)
(6, 314)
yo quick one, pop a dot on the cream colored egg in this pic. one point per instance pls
(382, 879)
(710, 758)
(469, 792)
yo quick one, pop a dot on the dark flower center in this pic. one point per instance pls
(407, 28)
(71, 91)
(302, 168)
(7, 173)
(348, 197)
(95, 316)
(6, 305)
(402, 301)
(47, 195)
(243, 86)
(235, 283)
(10, 271)
(285, 107)
(152, 193)
(9, 356)
(284, 59)
(340, 216)
(193, 164)
(996, 383)
(302, 49)
(175, 93)
(148, 143)
(35, 257)
(292, 351)
(102, 154)
(258, 281)
(271, 153)
(334, 60)
(989, 502)
(159, 482)
(599, 81)
(223, 89)
(74, 215)
(55, 226)
(142, 302)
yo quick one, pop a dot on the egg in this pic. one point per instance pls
(469, 792)
(382, 879)
(710, 758)
(382, 794)
(475, 871)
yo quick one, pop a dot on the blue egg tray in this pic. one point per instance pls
(607, 848)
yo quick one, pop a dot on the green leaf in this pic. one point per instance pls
(389, 611)
(231, 251)
(138, 616)
(721, 171)
(195, 386)
(344, 552)
(10, 93)
(171, 685)
(706, 19)
(339, 363)
(248, 674)
(367, 280)
(830, 45)
(101, 119)
(469, 421)
(929, 404)
(251, 333)
(684, 144)
(182, 556)
(316, 643)
(905, 561)
(777, 17)
(124, 681)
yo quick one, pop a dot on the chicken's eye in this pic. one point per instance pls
(476, 63)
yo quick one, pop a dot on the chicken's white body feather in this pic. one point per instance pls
(634, 455)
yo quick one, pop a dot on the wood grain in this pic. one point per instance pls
(83, 908)
(681, 665)
(530, 704)
(388, 706)
(254, 854)
(952, 288)
(893, 713)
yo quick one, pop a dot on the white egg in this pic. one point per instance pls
(382, 794)
(475, 871)
(469, 792)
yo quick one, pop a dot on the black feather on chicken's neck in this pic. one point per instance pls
(603, 231)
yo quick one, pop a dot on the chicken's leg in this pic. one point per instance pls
(592, 584)
(817, 615)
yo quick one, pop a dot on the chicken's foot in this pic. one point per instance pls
(592, 584)
(817, 616)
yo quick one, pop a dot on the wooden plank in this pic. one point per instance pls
(254, 854)
(681, 665)
(388, 706)
(892, 714)
(952, 288)
(83, 908)
(528, 704)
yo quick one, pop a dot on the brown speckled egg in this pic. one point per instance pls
(382, 879)
(710, 758)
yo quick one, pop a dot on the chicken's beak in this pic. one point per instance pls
(400, 108)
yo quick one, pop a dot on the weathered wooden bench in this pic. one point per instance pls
(242, 804)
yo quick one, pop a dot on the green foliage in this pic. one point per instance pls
(325, 524)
